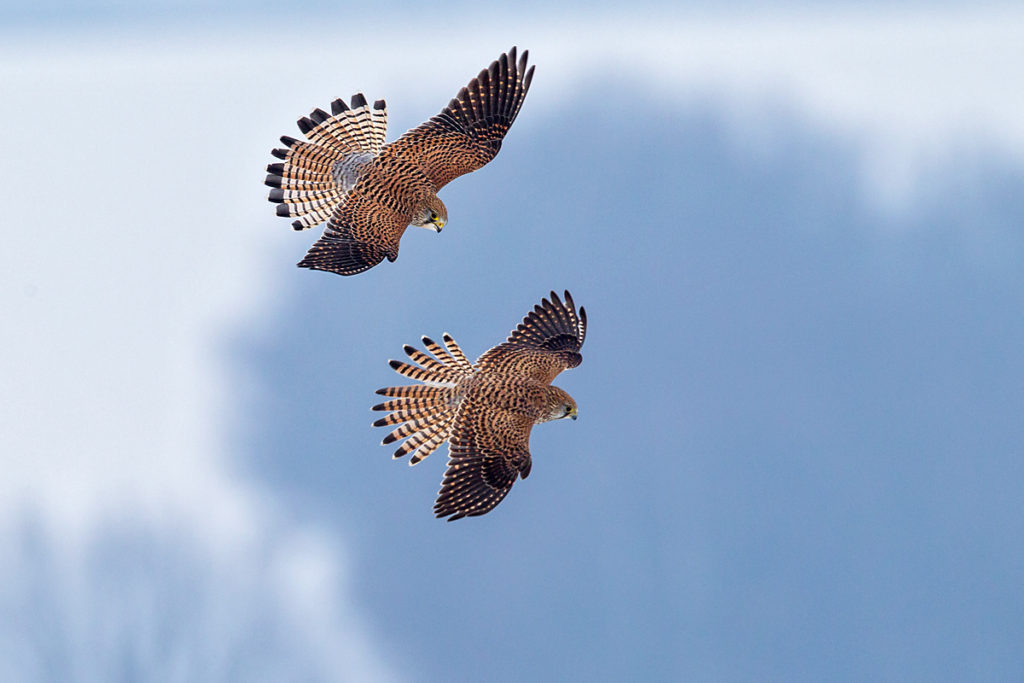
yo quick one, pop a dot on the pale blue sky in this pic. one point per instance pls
(799, 451)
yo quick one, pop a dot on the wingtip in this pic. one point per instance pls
(528, 79)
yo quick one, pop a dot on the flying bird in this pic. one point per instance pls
(369, 192)
(486, 409)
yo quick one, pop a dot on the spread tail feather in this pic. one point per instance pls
(424, 412)
(316, 175)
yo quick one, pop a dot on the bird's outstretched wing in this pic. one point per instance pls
(468, 132)
(547, 342)
(357, 237)
(488, 451)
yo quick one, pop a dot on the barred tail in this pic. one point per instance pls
(424, 412)
(316, 175)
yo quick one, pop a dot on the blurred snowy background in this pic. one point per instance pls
(797, 233)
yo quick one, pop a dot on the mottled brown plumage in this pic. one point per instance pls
(369, 192)
(485, 410)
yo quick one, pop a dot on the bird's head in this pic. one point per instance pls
(430, 213)
(559, 405)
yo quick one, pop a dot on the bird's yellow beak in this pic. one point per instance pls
(573, 414)
(438, 224)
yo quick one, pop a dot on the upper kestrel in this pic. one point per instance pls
(369, 192)
(485, 409)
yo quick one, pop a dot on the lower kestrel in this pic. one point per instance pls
(486, 409)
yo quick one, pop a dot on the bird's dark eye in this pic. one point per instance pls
(433, 215)
(568, 409)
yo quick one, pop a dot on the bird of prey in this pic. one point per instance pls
(369, 192)
(485, 410)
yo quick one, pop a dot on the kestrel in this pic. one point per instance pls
(485, 410)
(370, 192)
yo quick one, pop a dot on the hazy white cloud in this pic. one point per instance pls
(909, 87)
(135, 245)
(156, 602)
